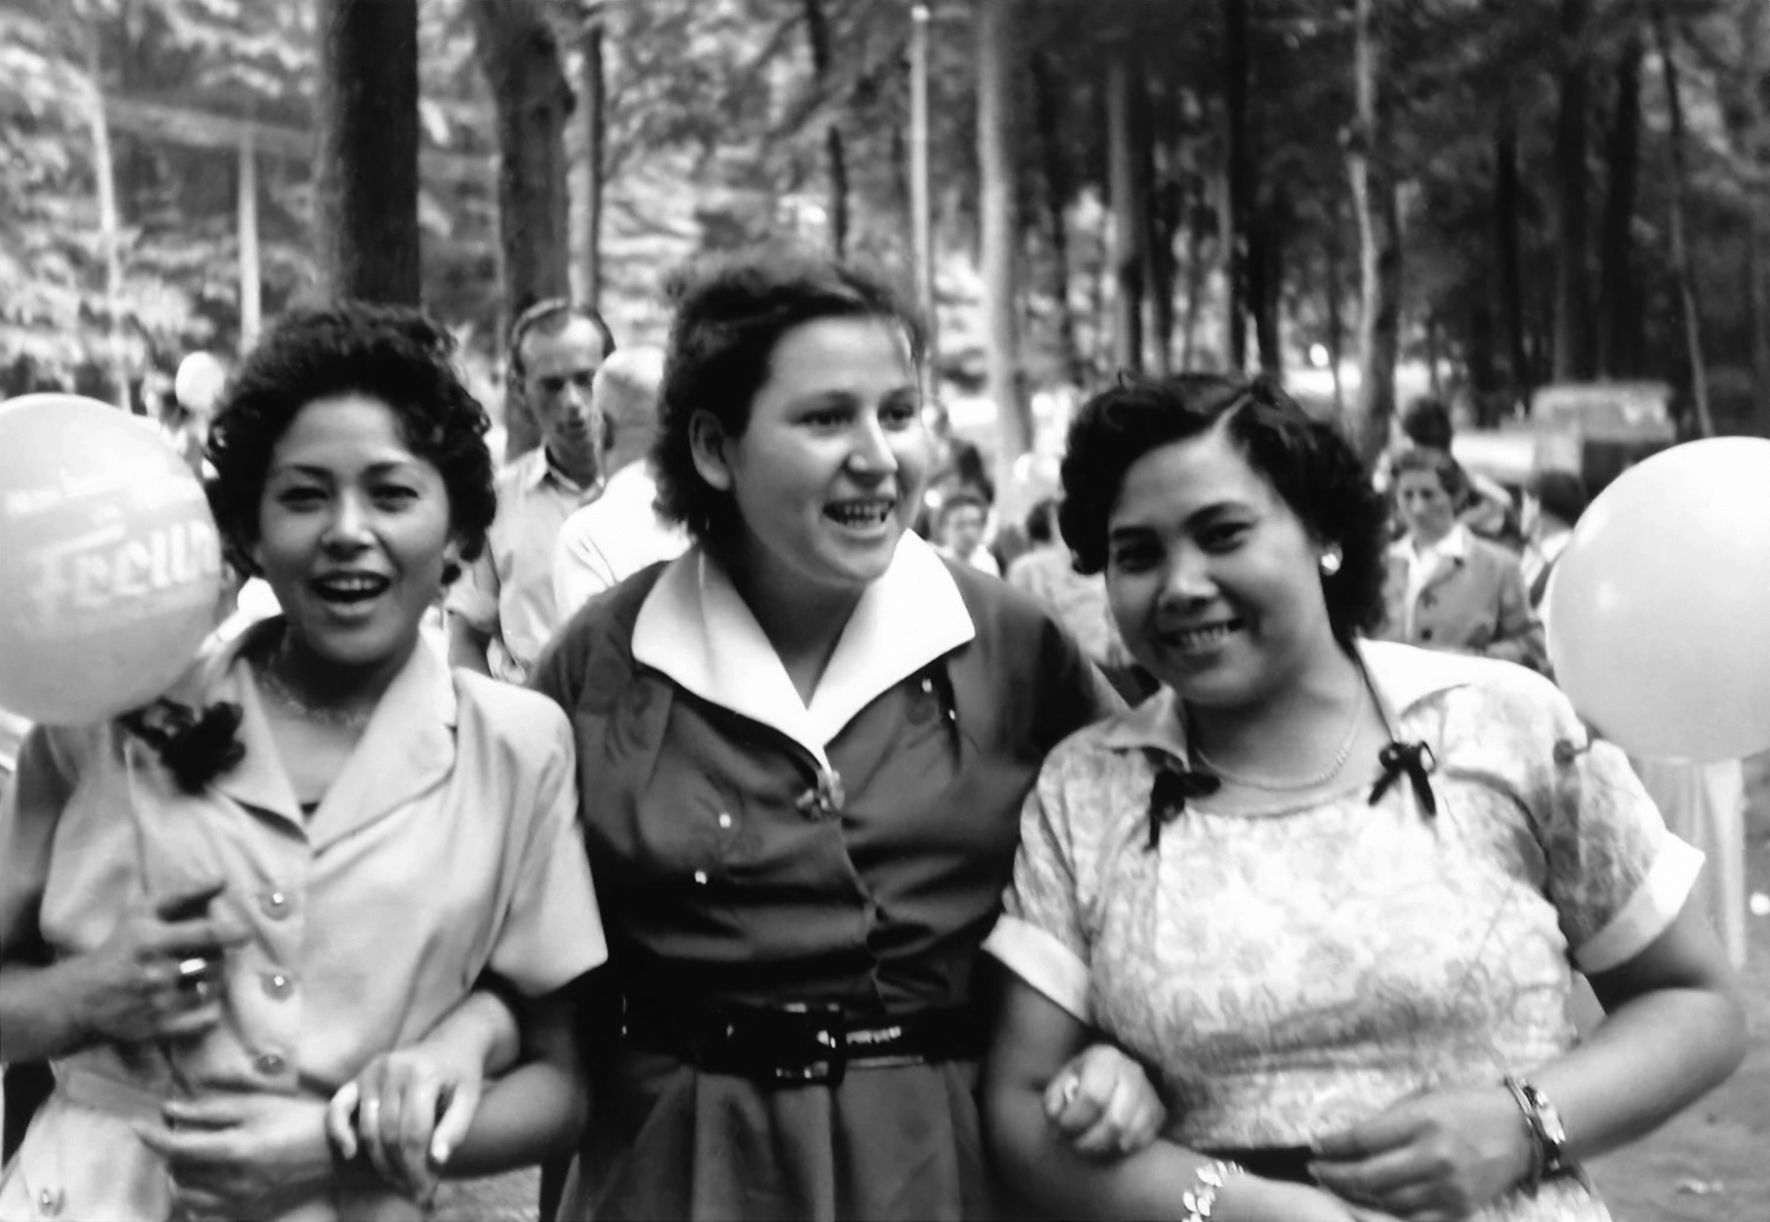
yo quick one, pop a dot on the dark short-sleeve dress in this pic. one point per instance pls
(722, 878)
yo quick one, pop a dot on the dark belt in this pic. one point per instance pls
(801, 1044)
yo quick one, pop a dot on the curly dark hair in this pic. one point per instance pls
(395, 354)
(1308, 462)
(731, 312)
(1451, 476)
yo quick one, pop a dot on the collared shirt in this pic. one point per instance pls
(612, 538)
(1292, 970)
(508, 592)
(1539, 556)
(1424, 562)
(447, 846)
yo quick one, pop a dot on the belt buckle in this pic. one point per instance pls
(821, 1026)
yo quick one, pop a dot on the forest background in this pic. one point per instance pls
(1501, 193)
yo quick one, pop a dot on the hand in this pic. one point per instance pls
(1433, 1157)
(242, 1154)
(1103, 1104)
(391, 1112)
(131, 989)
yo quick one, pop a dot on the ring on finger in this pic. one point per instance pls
(192, 970)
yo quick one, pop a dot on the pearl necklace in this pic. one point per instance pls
(1313, 782)
(354, 719)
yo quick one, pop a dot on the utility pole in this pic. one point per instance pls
(921, 206)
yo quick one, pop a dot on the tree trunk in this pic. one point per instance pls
(594, 99)
(1195, 268)
(1266, 286)
(1336, 327)
(1750, 125)
(1573, 343)
(817, 30)
(1238, 224)
(1058, 188)
(1506, 247)
(251, 298)
(110, 235)
(922, 196)
(1699, 382)
(366, 174)
(1129, 213)
(1162, 214)
(996, 72)
(1616, 346)
(1379, 241)
(519, 54)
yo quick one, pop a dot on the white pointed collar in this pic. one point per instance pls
(696, 628)
(1401, 677)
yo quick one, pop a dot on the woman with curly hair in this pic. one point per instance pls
(1332, 891)
(270, 886)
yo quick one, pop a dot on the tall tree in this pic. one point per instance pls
(1369, 164)
(1239, 223)
(1047, 103)
(594, 110)
(817, 33)
(1699, 378)
(1573, 344)
(1126, 134)
(1507, 248)
(366, 183)
(1616, 342)
(519, 54)
(997, 63)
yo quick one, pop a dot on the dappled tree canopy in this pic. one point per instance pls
(1191, 185)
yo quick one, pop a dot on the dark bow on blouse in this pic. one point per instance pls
(1417, 763)
(825, 799)
(1167, 796)
(196, 745)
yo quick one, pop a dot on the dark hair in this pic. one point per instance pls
(731, 313)
(1308, 462)
(1040, 520)
(1426, 422)
(549, 316)
(1562, 494)
(1449, 471)
(394, 354)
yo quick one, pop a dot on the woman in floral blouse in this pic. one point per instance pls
(1333, 892)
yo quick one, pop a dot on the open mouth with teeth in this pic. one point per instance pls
(349, 588)
(1206, 637)
(868, 514)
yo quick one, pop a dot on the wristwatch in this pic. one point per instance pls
(1547, 1134)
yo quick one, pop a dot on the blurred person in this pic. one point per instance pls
(1426, 424)
(959, 526)
(502, 613)
(803, 744)
(1445, 588)
(273, 884)
(621, 532)
(1334, 892)
(1047, 572)
(1553, 503)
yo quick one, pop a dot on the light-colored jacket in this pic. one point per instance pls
(1473, 602)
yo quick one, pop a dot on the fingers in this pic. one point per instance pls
(187, 903)
(451, 1130)
(1389, 1180)
(1104, 1104)
(341, 1120)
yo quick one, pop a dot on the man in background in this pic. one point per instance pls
(619, 533)
(501, 613)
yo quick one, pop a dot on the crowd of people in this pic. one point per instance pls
(758, 858)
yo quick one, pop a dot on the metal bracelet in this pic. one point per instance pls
(1201, 1199)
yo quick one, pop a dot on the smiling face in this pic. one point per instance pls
(1426, 507)
(1214, 581)
(829, 470)
(353, 534)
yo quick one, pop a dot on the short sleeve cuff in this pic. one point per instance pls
(1655, 904)
(1043, 962)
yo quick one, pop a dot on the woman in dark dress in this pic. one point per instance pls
(803, 747)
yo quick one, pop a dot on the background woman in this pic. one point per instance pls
(215, 914)
(1329, 889)
(1445, 588)
(803, 745)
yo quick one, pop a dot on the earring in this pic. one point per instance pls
(1330, 561)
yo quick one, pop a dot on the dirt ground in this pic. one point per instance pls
(1711, 1164)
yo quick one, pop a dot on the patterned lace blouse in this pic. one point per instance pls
(1296, 970)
